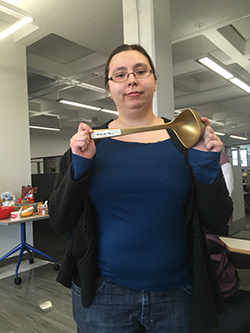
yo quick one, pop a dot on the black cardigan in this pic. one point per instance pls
(209, 206)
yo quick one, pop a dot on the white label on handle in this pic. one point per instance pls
(105, 133)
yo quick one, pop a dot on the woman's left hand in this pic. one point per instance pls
(209, 141)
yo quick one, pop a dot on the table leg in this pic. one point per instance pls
(23, 246)
(15, 249)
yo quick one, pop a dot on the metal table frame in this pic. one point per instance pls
(24, 246)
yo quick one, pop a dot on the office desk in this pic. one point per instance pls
(23, 246)
(238, 251)
(236, 244)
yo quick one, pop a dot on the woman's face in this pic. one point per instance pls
(132, 93)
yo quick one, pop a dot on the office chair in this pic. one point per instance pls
(237, 317)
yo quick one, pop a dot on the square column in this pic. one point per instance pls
(147, 22)
(15, 169)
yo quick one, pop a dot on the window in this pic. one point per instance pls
(235, 157)
(243, 157)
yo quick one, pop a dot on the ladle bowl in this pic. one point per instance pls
(187, 126)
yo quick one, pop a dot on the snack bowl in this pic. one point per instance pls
(5, 212)
(27, 211)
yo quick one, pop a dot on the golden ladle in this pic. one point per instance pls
(187, 126)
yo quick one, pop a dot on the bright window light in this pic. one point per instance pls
(243, 157)
(235, 157)
(216, 68)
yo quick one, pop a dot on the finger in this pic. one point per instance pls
(84, 127)
(82, 135)
(209, 135)
(205, 121)
(81, 144)
(214, 145)
(213, 142)
(80, 140)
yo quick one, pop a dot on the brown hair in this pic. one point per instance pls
(126, 47)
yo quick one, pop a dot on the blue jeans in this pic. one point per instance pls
(116, 309)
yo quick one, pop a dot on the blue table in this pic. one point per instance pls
(24, 246)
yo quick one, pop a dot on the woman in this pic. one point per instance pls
(137, 261)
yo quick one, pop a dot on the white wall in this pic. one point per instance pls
(47, 143)
(14, 133)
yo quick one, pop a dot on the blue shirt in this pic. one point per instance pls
(140, 192)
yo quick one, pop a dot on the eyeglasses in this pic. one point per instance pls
(123, 76)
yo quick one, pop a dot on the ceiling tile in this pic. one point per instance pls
(59, 49)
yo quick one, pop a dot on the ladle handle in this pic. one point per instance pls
(187, 126)
(111, 132)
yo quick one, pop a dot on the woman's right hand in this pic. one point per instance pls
(81, 143)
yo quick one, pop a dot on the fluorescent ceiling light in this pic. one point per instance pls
(109, 111)
(85, 106)
(238, 137)
(80, 105)
(23, 20)
(219, 133)
(240, 84)
(15, 27)
(45, 128)
(85, 120)
(215, 67)
(11, 11)
(213, 64)
(91, 87)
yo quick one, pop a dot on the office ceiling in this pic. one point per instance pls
(69, 41)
